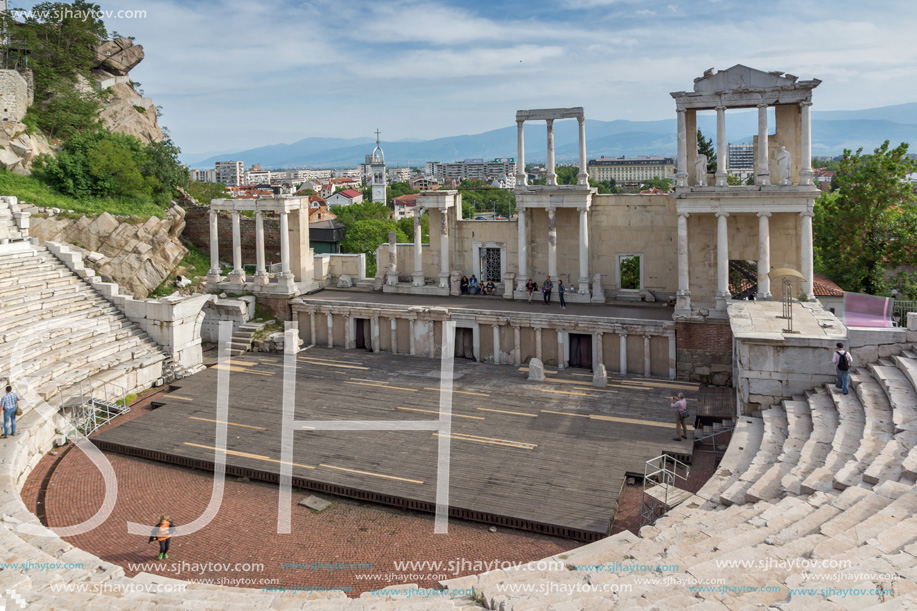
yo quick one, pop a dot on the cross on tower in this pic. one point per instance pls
(377, 135)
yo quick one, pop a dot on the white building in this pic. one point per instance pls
(230, 173)
(344, 198)
(208, 176)
(399, 174)
(378, 172)
(258, 177)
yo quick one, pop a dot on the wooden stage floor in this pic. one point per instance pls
(549, 456)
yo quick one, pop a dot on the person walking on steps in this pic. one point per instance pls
(680, 405)
(546, 289)
(162, 532)
(560, 293)
(10, 402)
(842, 361)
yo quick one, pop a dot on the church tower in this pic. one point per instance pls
(377, 166)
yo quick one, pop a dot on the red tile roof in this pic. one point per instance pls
(408, 199)
(350, 193)
(825, 287)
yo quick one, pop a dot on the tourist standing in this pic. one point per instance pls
(464, 285)
(546, 289)
(162, 532)
(560, 293)
(680, 405)
(10, 402)
(842, 361)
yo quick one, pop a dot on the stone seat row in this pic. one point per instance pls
(769, 503)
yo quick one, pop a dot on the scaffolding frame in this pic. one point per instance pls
(661, 472)
(90, 404)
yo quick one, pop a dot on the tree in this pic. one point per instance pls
(567, 174)
(705, 146)
(406, 225)
(161, 165)
(663, 184)
(869, 225)
(604, 186)
(365, 236)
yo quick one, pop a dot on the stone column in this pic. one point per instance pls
(647, 357)
(520, 156)
(550, 177)
(417, 276)
(681, 177)
(214, 244)
(805, 164)
(583, 251)
(523, 244)
(721, 147)
(806, 257)
(561, 361)
(552, 243)
(684, 286)
(260, 271)
(517, 346)
(764, 255)
(444, 249)
(764, 177)
(312, 328)
(394, 325)
(330, 329)
(496, 329)
(623, 353)
(599, 350)
(347, 320)
(238, 274)
(672, 355)
(285, 244)
(411, 338)
(538, 351)
(375, 333)
(722, 260)
(583, 177)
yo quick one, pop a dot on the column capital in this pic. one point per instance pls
(679, 110)
(764, 214)
(550, 122)
(720, 107)
(581, 120)
(520, 122)
(807, 213)
(684, 214)
(721, 214)
(763, 104)
(805, 103)
(551, 209)
(583, 209)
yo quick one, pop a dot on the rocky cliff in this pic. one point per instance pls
(18, 149)
(137, 256)
(125, 110)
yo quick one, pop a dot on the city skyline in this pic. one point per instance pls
(230, 75)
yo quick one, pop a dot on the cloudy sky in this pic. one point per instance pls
(235, 74)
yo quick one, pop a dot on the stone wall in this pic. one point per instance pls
(197, 231)
(14, 96)
(137, 256)
(704, 351)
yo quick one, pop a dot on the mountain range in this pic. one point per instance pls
(832, 132)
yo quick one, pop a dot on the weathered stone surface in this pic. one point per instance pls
(345, 282)
(116, 249)
(315, 503)
(18, 149)
(118, 56)
(600, 376)
(536, 370)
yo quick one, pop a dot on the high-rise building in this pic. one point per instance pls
(631, 172)
(740, 160)
(230, 173)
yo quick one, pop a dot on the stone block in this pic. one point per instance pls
(345, 282)
(536, 370)
(599, 376)
(315, 503)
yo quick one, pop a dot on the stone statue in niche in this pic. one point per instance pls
(700, 170)
(783, 166)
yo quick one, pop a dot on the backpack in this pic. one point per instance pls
(842, 363)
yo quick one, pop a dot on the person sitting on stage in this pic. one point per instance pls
(464, 285)
(490, 288)
(473, 286)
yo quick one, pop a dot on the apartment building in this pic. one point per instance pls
(631, 172)
(230, 173)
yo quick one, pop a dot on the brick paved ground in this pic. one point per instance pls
(244, 531)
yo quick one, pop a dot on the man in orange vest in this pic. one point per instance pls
(162, 532)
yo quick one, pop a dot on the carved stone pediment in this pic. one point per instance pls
(740, 78)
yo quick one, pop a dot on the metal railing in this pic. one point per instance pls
(90, 404)
(900, 309)
(662, 471)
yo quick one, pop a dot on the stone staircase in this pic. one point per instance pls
(56, 330)
(822, 484)
(243, 337)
